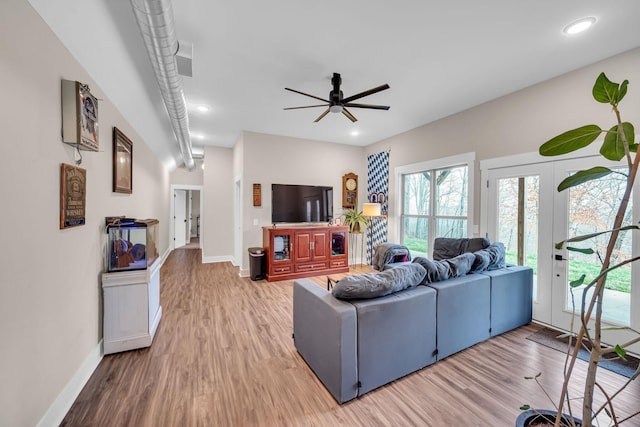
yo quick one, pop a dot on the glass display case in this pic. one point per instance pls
(131, 244)
(337, 243)
(281, 247)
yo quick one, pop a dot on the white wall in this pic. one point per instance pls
(50, 292)
(516, 123)
(271, 159)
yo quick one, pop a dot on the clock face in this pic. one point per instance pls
(351, 184)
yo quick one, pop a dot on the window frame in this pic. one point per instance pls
(468, 160)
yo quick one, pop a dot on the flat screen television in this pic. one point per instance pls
(301, 203)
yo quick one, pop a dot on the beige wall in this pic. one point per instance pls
(50, 292)
(183, 176)
(515, 124)
(271, 159)
(217, 213)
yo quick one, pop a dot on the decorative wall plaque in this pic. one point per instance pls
(257, 195)
(79, 116)
(73, 188)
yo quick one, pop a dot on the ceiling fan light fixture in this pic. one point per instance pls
(336, 108)
(579, 26)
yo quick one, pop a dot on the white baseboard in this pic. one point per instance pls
(209, 259)
(59, 408)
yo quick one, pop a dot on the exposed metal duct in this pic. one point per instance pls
(155, 20)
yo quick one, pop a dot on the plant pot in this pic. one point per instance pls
(533, 416)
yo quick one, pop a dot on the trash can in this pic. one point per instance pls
(257, 266)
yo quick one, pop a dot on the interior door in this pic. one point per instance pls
(180, 218)
(519, 205)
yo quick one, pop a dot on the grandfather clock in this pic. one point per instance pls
(350, 191)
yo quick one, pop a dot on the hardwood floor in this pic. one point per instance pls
(223, 356)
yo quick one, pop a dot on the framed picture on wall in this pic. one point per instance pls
(73, 196)
(122, 162)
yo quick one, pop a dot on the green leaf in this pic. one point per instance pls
(613, 145)
(620, 352)
(584, 237)
(581, 177)
(586, 251)
(525, 407)
(570, 141)
(606, 91)
(623, 90)
(577, 282)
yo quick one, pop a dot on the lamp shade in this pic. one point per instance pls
(371, 209)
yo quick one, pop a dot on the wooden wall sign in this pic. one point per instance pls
(257, 195)
(73, 196)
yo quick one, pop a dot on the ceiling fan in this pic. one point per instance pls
(336, 103)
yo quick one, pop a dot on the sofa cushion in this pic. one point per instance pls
(372, 285)
(445, 247)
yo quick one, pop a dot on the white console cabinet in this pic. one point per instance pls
(132, 310)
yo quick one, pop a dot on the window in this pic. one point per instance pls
(434, 204)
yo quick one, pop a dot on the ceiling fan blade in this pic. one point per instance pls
(375, 107)
(306, 94)
(349, 115)
(321, 116)
(366, 93)
(306, 106)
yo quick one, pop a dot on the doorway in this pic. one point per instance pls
(524, 210)
(187, 211)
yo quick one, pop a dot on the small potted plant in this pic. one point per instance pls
(355, 220)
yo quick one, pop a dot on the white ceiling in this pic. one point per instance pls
(439, 57)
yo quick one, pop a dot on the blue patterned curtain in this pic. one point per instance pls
(377, 192)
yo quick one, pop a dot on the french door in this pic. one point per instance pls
(527, 213)
(520, 211)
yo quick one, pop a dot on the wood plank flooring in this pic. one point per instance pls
(223, 356)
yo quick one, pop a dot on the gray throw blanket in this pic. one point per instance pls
(374, 285)
(386, 252)
(445, 269)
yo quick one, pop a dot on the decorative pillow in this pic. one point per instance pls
(373, 285)
(447, 248)
(477, 243)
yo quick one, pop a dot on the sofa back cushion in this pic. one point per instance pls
(445, 247)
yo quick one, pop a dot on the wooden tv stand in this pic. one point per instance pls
(304, 251)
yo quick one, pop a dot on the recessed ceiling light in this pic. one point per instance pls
(355, 133)
(579, 26)
(203, 108)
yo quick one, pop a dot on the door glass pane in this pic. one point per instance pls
(451, 192)
(518, 213)
(448, 227)
(417, 193)
(415, 235)
(592, 208)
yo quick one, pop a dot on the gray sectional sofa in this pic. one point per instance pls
(355, 346)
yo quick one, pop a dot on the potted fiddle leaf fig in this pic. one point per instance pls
(355, 220)
(617, 145)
